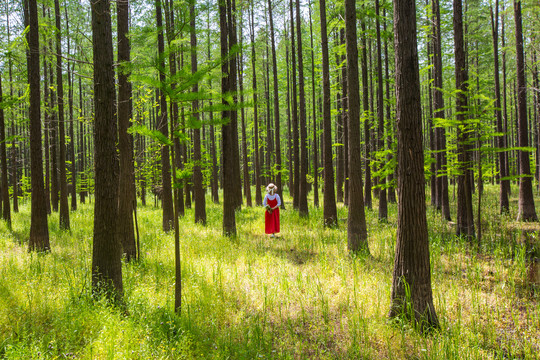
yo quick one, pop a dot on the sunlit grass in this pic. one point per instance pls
(300, 295)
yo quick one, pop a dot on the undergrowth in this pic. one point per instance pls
(298, 296)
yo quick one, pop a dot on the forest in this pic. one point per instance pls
(139, 142)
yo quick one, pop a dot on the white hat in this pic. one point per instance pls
(271, 187)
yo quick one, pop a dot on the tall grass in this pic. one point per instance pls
(298, 296)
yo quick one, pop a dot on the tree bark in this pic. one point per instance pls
(163, 126)
(526, 209)
(39, 231)
(465, 219)
(356, 222)
(198, 190)
(258, 185)
(438, 106)
(302, 194)
(411, 264)
(64, 206)
(107, 251)
(383, 205)
(366, 117)
(329, 199)
(126, 189)
(71, 148)
(294, 118)
(229, 203)
(277, 131)
(6, 210)
(503, 194)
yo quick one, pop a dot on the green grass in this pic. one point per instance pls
(299, 296)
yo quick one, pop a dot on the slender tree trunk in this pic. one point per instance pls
(294, 118)
(366, 117)
(200, 202)
(302, 195)
(344, 114)
(163, 126)
(341, 118)
(389, 123)
(39, 231)
(229, 220)
(237, 185)
(503, 194)
(277, 131)
(6, 210)
(329, 210)
(383, 205)
(54, 145)
(46, 124)
(176, 150)
(356, 223)
(411, 264)
(438, 105)
(13, 152)
(526, 209)
(465, 219)
(314, 108)
(107, 251)
(126, 189)
(64, 206)
(82, 147)
(506, 183)
(258, 196)
(245, 157)
(71, 149)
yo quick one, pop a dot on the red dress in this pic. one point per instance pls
(271, 220)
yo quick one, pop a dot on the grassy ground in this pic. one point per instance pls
(299, 296)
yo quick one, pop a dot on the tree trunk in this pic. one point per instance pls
(294, 118)
(503, 194)
(6, 210)
(465, 220)
(506, 183)
(329, 210)
(126, 189)
(366, 115)
(356, 223)
(245, 157)
(438, 106)
(64, 206)
(258, 196)
(302, 195)
(344, 114)
(389, 125)
(237, 184)
(198, 190)
(383, 205)
(71, 149)
(314, 108)
(277, 131)
(13, 152)
(107, 251)
(229, 220)
(176, 150)
(46, 130)
(163, 126)
(82, 146)
(411, 284)
(39, 231)
(526, 209)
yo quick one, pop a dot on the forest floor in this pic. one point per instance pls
(298, 296)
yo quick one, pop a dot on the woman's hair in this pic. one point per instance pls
(271, 188)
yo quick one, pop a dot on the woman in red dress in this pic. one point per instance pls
(271, 202)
